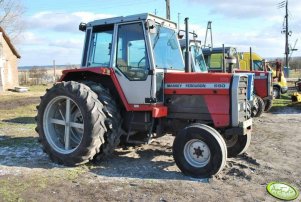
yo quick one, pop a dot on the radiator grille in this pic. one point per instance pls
(242, 98)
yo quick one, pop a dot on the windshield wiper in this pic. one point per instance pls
(157, 36)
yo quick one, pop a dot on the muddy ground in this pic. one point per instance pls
(148, 172)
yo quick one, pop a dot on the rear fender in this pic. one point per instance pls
(103, 76)
(107, 77)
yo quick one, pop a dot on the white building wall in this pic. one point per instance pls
(1, 64)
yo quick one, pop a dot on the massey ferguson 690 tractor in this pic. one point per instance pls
(133, 81)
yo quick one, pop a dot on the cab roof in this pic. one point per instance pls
(208, 51)
(131, 18)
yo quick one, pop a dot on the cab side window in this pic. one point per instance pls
(101, 44)
(131, 58)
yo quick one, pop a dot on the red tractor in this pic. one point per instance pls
(263, 86)
(133, 81)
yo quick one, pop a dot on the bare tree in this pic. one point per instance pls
(11, 13)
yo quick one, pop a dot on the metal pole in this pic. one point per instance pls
(207, 30)
(223, 62)
(167, 9)
(54, 76)
(187, 53)
(286, 35)
(251, 59)
(211, 45)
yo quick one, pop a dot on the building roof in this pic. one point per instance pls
(11, 46)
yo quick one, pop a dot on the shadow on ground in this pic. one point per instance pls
(21, 120)
(293, 109)
(142, 164)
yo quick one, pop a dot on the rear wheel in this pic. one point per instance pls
(268, 103)
(113, 119)
(199, 151)
(70, 123)
(237, 144)
(258, 106)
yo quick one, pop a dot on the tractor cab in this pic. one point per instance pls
(140, 48)
(198, 63)
(214, 58)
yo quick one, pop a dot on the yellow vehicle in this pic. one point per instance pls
(296, 96)
(279, 82)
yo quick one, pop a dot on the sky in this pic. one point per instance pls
(52, 25)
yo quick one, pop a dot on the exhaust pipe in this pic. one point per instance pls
(187, 52)
(223, 62)
(251, 59)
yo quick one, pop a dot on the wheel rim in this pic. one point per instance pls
(197, 153)
(63, 124)
(230, 140)
(275, 93)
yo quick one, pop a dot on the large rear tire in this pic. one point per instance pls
(71, 123)
(258, 107)
(113, 119)
(237, 144)
(199, 151)
(268, 103)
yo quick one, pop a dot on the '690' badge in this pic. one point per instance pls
(282, 191)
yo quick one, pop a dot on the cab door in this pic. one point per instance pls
(132, 63)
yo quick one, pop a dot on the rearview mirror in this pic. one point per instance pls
(151, 27)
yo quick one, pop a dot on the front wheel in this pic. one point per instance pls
(258, 107)
(199, 151)
(237, 144)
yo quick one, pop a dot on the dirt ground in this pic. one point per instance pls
(148, 172)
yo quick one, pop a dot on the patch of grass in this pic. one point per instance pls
(284, 102)
(11, 191)
(19, 121)
(16, 116)
(74, 173)
(39, 88)
(34, 91)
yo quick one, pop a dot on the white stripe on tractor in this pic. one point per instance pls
(260, 77)
(197, 86)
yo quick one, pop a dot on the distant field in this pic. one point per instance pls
(295, 73)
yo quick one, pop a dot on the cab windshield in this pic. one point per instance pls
(258, 65)
(198, 57)
(167, 52)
